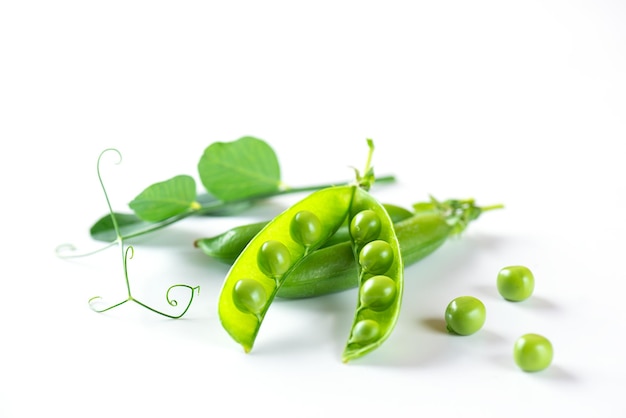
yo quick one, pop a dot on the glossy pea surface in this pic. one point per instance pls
(376, 257)
(465, 315)
(378, 293)
(306, 228)
(365, 226)
(365, 331)
(249, 296)
(515, 283)
(533, 352)
(274, 258)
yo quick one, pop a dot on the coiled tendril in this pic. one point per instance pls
(127, 254)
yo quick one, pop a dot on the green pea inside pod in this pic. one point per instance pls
(365, 226)
(273, 258)
(306, 228)
(249, 296)
(376, 257)
(364, 331)
(378, 293)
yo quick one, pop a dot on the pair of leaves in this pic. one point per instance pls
(231, 172)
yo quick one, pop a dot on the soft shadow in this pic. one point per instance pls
(435, 324)
(533, 302)
(557, 373)
(553, 373)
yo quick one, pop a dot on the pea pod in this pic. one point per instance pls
(332, 268)
(261, 269)
(227, 246)
(267, 261)
(380, 275)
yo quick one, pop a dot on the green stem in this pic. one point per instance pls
(211, 207)
(491, 207)
(127, 253)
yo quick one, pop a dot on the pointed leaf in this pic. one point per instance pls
(239, 169)
(166, 199)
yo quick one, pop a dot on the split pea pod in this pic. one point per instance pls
(260, 270)
(269, 258)
(380, 274)
(334, 269)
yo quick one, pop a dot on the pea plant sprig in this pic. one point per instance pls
(235, 175)
(336, 238)
(127, 254)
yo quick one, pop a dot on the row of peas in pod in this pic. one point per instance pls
(466, 315)
(265, 264)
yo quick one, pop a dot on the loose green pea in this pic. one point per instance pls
(533, 352)
(378, 293)
(515, 283)
(365, 226)
(364, 331)
(274, 258)
(376, 257)
(249, 296)
(305, 228)
(465, 315)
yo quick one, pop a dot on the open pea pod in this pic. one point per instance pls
(285, 242)
(380, 274)
(262, 267)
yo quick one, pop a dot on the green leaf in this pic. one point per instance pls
(103, 229)
(166, 199)
(239, 169)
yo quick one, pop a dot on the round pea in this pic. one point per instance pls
(533, 352)
(376, 257)
(465, 315)
(273, 258)
(515, 283)
(378, 293)
(306, 228)
(364, 331)
(249, 296)
(365, 226)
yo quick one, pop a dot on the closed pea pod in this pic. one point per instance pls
(260, 270)
(332, 267)
(227, 246)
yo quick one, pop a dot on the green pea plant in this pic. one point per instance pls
(338, 237)
(235, 175)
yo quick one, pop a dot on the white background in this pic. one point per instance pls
(520, 103)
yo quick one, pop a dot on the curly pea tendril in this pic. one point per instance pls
(68, 251)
